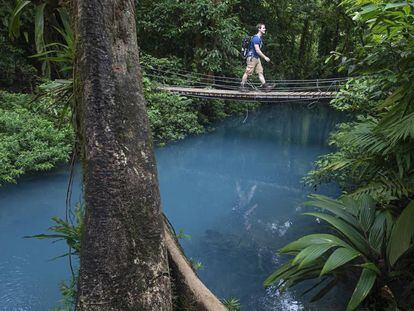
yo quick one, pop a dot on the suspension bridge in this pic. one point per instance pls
(205, 86)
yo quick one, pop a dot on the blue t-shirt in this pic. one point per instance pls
(252, 51)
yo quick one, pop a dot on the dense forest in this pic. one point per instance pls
(369, 242)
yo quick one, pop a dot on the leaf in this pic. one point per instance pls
(14, 23)
(362, 289)
(331, 205)
(346, 229)
(338, 258)
(402, 234)
(395, 5)
(377, 233)
(407, 9)
(280, 271)
(367, 211)
(39, 27)
(64, 17)
(371, 266)
(350, 205)
(313, 239)
(311, 253)
(367, 12)
(45, 236)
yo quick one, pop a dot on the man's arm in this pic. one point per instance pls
(258, 51)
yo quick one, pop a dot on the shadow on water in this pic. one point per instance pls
(236, 191)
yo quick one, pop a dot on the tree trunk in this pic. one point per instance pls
(123, 261)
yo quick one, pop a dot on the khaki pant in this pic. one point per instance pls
(252, 64)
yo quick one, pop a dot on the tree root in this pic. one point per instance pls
(191, 293)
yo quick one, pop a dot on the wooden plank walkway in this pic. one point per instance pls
(252, 95)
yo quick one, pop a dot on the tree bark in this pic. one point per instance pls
(191, 294)
(123, 261)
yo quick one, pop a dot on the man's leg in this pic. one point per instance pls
(249, 70)
(244, 79)
(259, 70)
(262, 78)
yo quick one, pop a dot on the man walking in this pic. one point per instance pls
(253, 60)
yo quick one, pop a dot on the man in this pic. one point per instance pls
(253, 60)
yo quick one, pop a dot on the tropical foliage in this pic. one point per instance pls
(207, 34)
(31, 138)
(232, 304)
(364, 241)
(375, 151)
(373, 164)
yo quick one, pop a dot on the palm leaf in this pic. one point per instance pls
(311, 253)
(402, 234)
(331, 205)
(338, 258)
(14, 23)
(276, 275)
(362, 289)
(346, 229)
(39, 27)
(311, 239)
(379, 230)
(367, 212)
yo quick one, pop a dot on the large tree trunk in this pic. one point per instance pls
(123, 262)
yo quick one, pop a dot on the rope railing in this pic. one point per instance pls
(183, 72)
(192, 81)
(179, 78)
(279, 86)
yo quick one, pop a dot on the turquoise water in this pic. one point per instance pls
(236, 191)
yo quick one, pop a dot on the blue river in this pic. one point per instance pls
(236, 191)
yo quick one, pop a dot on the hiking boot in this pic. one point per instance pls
(243, 89)
(266, 87)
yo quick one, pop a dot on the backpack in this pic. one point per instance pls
(245, 46)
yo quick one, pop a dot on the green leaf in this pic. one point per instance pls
(402, 234)
(362, 289)
(311, 253)
(346, 229)
(367, 12)
(407, 9)
(367, 212)
(39, 27)
(278, 273)
(311, 239)
(338, 258)
(14, 23)
(331, 205)
(371, 266)
(350, 204)
(377, 233)
(395, 5)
